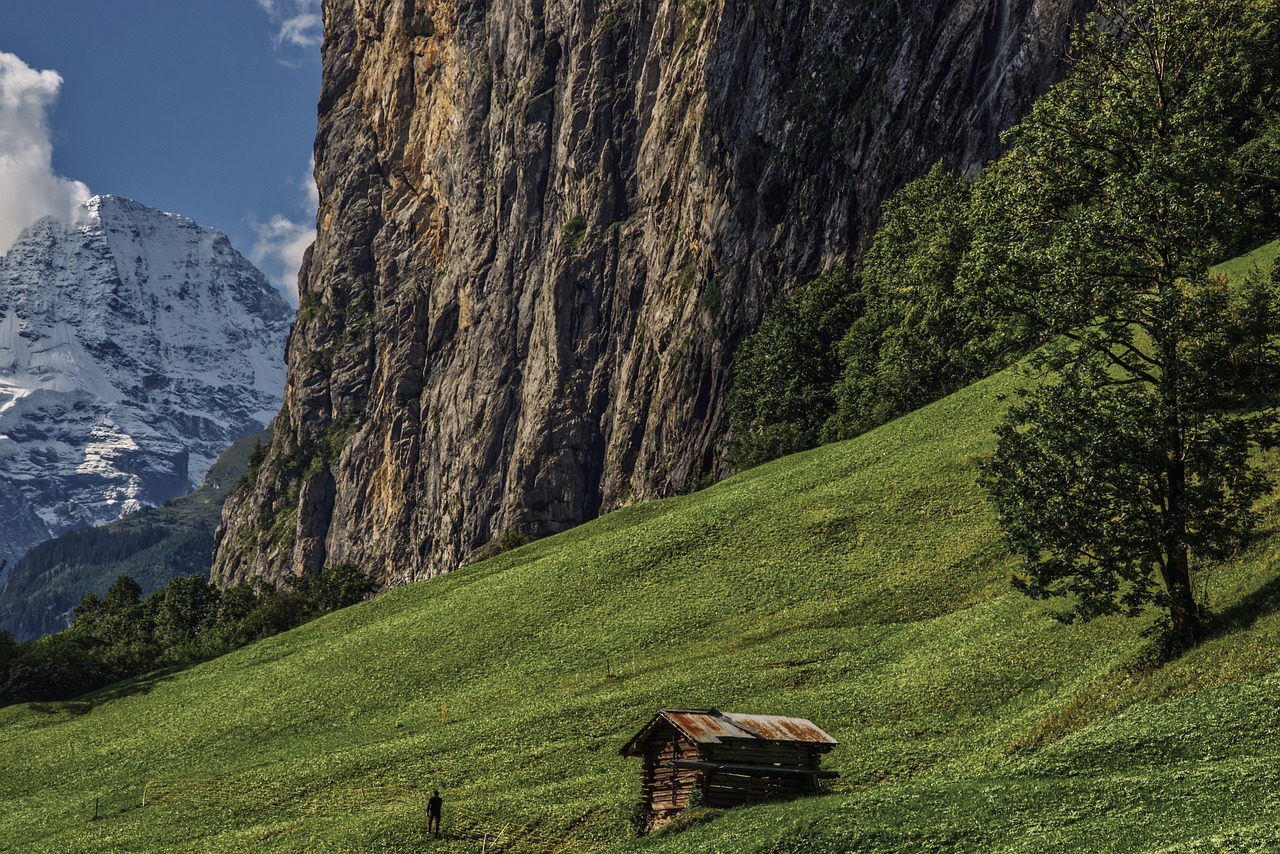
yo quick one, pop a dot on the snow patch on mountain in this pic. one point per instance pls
(135, 346)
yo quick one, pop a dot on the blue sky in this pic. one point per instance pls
(204, 109)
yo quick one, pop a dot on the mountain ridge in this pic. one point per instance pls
(135, 346)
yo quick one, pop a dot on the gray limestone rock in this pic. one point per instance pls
(545, 226)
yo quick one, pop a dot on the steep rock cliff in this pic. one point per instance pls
(545, 225)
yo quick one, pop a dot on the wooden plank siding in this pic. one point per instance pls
(730, 759)
(666, 788)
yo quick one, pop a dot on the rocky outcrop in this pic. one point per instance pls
(545, 225)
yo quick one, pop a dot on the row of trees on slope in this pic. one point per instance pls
(1133, 454)
(121, 634)
(853, 350)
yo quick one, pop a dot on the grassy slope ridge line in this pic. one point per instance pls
(861, 585)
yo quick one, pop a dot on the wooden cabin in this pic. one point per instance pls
(729, 758)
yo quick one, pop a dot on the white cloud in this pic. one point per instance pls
(299, 22)
(279, 249)
(29, 188)
(281, 242)
(309, 188)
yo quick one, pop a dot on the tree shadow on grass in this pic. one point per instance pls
(1164, 648)
(1245, 613)
(131, 687)
(91, 699)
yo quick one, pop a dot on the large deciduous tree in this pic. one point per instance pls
(1151, 161)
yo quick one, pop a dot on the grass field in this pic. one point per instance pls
(861, 585)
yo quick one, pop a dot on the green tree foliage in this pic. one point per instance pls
(1127, 182)
(121, 635)
(275, 610)
(924, 332)
(182, 613)
(115, 630)
(849, 353)
(338, 585)
(783, 375)
(7, 649)
(54, 667)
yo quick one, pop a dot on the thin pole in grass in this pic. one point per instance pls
(96, 802)
(443, 720)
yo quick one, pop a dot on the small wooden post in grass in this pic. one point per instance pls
(95, 808)
(443, 720)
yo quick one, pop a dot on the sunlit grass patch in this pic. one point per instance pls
(862, 585)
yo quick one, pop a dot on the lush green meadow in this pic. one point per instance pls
(862, 585)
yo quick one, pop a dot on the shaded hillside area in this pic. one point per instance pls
(861, 585)
(152, 546)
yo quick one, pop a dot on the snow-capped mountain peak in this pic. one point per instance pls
(135, 346)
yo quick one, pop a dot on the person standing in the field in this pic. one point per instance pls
(433, 812)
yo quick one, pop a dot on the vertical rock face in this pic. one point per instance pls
(545, 225)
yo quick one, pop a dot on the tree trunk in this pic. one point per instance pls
(1183, 614)
(1177, 564)
(1182, 605)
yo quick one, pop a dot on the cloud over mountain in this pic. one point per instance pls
(29, 187)
(299, 22)
(279, 249)
(281, 242)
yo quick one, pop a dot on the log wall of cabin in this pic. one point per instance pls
(666, 790)
(730, 788)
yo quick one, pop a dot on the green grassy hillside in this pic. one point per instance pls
(152, 546)
(861, 585)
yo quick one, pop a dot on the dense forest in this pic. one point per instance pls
(122, 634)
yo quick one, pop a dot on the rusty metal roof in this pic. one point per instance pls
(711, 726)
